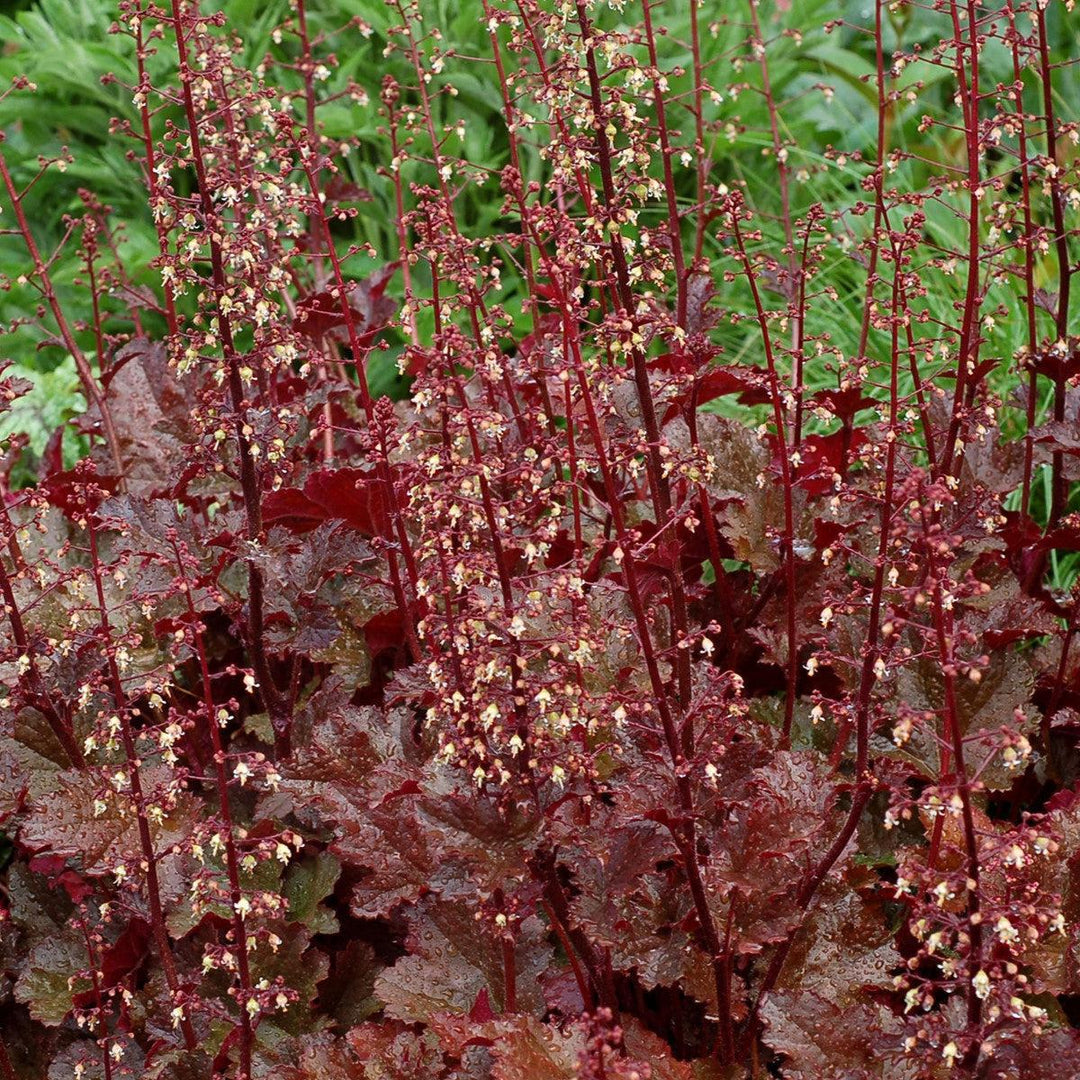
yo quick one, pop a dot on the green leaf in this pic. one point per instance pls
(45, 984)
(308, 884)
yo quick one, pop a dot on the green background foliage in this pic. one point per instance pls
(65, 47)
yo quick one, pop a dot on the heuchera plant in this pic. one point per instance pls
(670, 673)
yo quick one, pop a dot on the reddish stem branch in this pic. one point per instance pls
(87, 379)
(159, 928)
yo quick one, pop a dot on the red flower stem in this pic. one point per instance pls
(97, 214)
(920, 392)
(676, 746)
(497, 547)
(382, 463)
(584, 187)
(864, 783)
(579, 603)
(401, 226)
(912, 350)
(540, 377)
(250, 482)
(476, 306)
(89, 383)
(131, 755)
(606, 289)
(515, 156)
(18, 560)
(658, 484)
(558, 906)
(1029, 265)
(571, 954)
(89, 250)
(786, 479)
(879, 205)
(721, 584)
(1059, 485)
(95, 982)
(703, 162)
(232, 861)
(674, 230)
(527, 257)
(307, 73)
(684, 830)
(945, 638)
(800, 340)
(151, 173)
(783, 170)
(968, 349)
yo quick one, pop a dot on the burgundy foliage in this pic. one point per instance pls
(545, 723)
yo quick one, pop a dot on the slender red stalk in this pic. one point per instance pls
(87, 379)
(785, 466)
(1059, 492)
(139, 800)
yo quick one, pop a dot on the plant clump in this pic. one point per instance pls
(607, 611)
